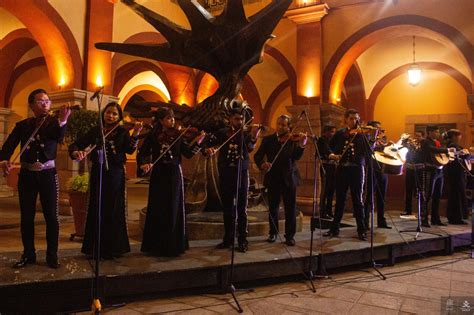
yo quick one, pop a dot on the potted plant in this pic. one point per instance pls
(79, 124)
(78, 186)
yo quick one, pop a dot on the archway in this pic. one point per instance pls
(396, 26)
(53, 36)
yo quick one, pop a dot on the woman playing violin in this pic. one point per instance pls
(164, 234)
(114, 237)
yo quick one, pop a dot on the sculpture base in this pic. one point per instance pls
(210, 225)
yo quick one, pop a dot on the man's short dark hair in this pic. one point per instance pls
(453, 132)
(31, 97)
(431, 128)
(350, 111)
(286, 117)
(328, 128)
(422, 132)
(373, 123)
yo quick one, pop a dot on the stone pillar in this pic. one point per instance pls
(64, 165)
(332, 115)
(5, 190)
(308, 90)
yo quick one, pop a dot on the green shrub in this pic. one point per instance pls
(78, 183)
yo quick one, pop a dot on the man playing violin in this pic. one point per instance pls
(37, 174)
(277, 156)
(433, 175)
(228, 162)
(349, 148)
(378, 181)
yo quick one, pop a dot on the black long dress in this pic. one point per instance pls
(114, 236)
(456, 188)
(164, 231)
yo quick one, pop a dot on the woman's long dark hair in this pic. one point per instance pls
(161, 113)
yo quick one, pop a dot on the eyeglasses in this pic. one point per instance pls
(43, 102)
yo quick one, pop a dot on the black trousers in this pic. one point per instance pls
(46, 184)
(412, 178)
(328, 187)
(433, 183)
(277, 189)
(349, 177)
(456, 189)
(228, 187)
(379, 192)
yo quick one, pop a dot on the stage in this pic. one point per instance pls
(205, 269)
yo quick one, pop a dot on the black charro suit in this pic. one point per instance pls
(281, 180)
(31, 183)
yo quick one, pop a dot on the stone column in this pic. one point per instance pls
(5, 190)
(308, 90)
(64, 165)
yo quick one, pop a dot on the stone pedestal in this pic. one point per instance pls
(5, 190)
(332, 115)
(79, 97)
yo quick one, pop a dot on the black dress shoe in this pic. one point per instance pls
(331, 234)
(384, 226)
(439, 223)
(223, 245)
(271, 238)
(327, 216)
(425, 224)
(52, 263)
(290, 242)
(243, 246)
(363, 236)
(24, 261)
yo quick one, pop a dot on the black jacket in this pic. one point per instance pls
(428, 148)
(284, 167)
(44, 146)
(357, 152)
(229, 153)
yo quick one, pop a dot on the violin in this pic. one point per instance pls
(296, 137)
(55, 111)
(362, 130)
(189, 134)
(130, 124)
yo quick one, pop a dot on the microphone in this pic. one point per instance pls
(96, 93)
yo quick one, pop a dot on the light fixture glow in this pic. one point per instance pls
(62, 81)
(99, 82)
(414, 71)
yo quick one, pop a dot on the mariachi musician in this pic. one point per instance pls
(378, 181)
(455, 173)
(350, 148)
(113, 229)
(281, 150)
(433, 178)
(160, 155)
(229, 140)
(37, 174)
(414, 168)
(328, 175)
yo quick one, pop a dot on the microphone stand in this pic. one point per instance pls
(102, 155)
(370, 170)
(231, 287)
(316, 220)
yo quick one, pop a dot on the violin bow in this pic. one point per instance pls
(90, 148)
(286, 141)
(167, 149)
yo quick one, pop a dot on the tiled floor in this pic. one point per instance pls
(414, 287)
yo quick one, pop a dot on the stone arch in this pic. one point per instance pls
(129, 70)
(12, 47)
(54, 38)
(395, 26)
(442, 67)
